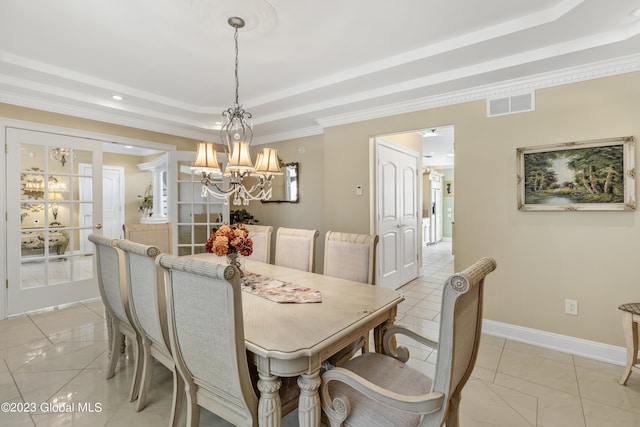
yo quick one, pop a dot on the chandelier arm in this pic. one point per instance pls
(261, 185)
(217, 191)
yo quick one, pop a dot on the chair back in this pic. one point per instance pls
(147, 300)
(158, 235)
(112, 280)
(206, 332)
(261, 237)
(460, 328)
(350, 256)
(295, 248)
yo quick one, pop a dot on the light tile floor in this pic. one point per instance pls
(58, 357)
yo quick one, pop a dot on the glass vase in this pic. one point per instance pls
(236, 259)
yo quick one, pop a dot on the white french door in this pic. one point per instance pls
(192, 216)
(397, 214)
(46, 263)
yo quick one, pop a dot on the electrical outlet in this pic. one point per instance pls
(571, 307)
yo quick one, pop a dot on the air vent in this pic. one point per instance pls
(511, 104)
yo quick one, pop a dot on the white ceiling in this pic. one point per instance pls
(437, 147)
(304, 64)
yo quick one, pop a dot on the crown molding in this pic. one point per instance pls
(285, 136)
(592, 71)
(613, 67)
(107, 117)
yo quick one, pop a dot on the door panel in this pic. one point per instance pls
(389, 197)
(389, 268)
(44, 231)
(409, 241)
(410, 219)
(397, 214)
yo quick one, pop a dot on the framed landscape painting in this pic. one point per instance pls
(596, 175)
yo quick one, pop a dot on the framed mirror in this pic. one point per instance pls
(286, 188)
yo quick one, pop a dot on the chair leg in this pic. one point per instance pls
(178, 398)
(147, 374)
(193, 410)
(114, 353)
(109, 331)
(137, 371)
(365, 344)
(454, 411)
(630, 328)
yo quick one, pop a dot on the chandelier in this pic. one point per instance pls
(236, 134)
(60, 154)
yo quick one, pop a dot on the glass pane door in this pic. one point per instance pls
(50, 264)
(193, 216)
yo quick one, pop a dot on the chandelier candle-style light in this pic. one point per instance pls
(236, 134)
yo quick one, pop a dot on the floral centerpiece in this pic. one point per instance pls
(230, 241)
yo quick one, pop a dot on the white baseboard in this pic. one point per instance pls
(576, 346)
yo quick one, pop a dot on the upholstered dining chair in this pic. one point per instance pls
(382, 390)
(350, 256)
(147, 303)
(206, 332)
(158, 235)
(295, 248)
(261, 237)
(113, 286)
(353, 257)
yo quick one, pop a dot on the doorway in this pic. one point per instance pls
(51, 267)
(48, 265)
(435, 197)
(397, 213)
(438, 192)
(112, 204)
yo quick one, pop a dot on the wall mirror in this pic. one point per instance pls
(286, 187)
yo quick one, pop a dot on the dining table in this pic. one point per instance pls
(286, 340)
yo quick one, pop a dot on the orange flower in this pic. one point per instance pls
(227, 240)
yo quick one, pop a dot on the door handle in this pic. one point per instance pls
(98, 226)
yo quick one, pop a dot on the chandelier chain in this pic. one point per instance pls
(235, 37)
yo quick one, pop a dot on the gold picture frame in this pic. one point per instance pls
(594, 175)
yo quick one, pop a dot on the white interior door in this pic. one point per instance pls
(47, 266)
(112, 203)
(397, 214)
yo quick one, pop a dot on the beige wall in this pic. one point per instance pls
(412, 141)
(309, 212)
(543, 257)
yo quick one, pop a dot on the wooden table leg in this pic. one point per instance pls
(269, 405)
(378, 333)
(309, 401)
(630, 328)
